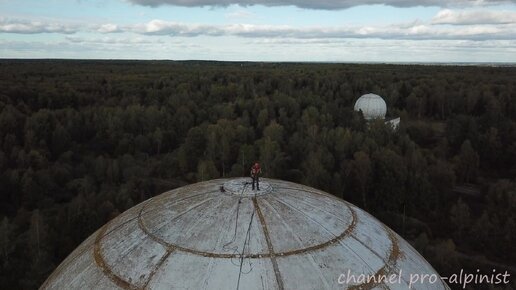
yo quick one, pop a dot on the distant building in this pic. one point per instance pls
(373, 107)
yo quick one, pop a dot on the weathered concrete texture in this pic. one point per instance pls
(285, 236)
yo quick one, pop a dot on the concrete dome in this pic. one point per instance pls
(286, 236)
(372, 106)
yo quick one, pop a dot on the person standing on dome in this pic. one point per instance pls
(255, 172)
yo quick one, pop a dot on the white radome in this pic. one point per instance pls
(372, 106)
(285, 236)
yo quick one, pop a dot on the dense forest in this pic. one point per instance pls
(82, 141)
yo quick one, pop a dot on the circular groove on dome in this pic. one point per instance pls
(101, 263)
(243, 187)
(315, 247)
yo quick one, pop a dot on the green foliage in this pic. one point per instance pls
(467, 163)
(360, 175)
(206, 170)
(460, 217)
(82, 141)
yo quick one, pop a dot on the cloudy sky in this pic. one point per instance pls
(261, 30)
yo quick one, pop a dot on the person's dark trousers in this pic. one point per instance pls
(256, 179)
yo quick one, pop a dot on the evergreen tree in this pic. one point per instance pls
(460, 217)
(466, 163)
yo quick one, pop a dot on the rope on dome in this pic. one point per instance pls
(246, 240)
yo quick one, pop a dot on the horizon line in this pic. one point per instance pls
(458, 63)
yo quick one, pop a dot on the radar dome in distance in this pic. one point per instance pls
(285, 236)
(372, 106)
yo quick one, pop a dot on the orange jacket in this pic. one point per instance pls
(255, 169)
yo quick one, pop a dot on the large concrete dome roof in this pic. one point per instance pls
(285, 236)
(372, 106)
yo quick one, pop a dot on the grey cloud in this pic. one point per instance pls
(116, 41)
(34, 27)
(161, 27)
(322, 4)
(108, 28)
(447, 16)
(414, 31)
(435, 44)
